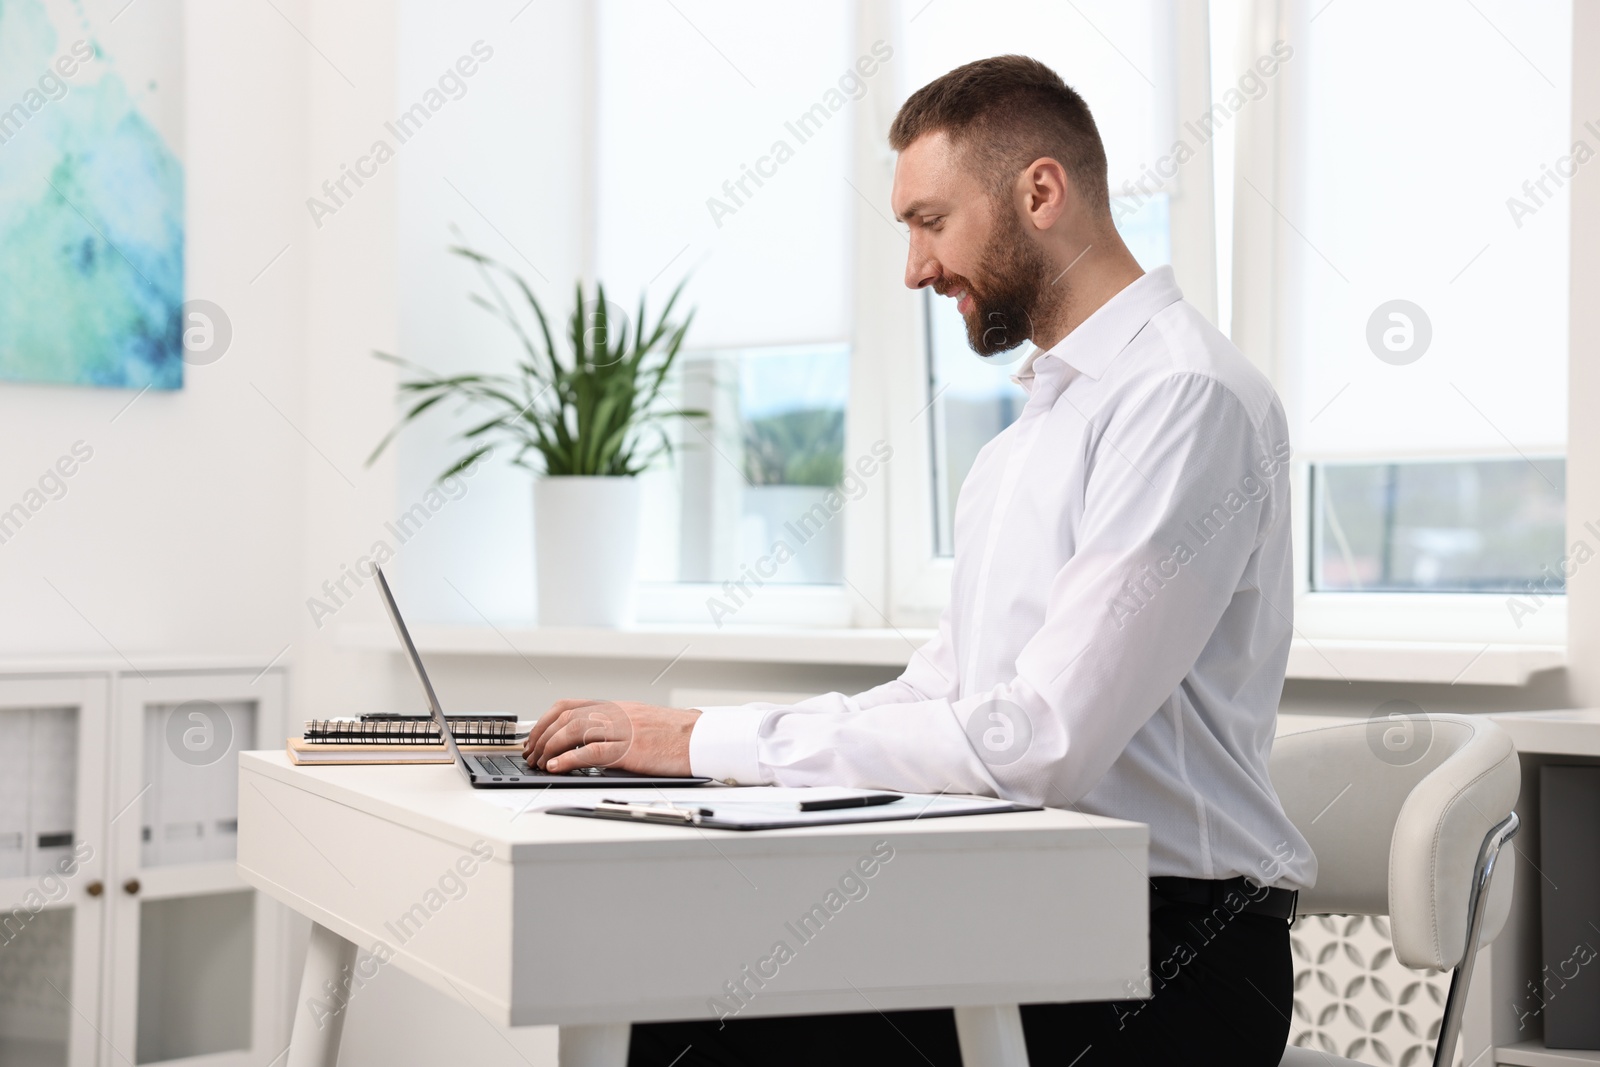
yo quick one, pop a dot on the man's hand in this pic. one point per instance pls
(605, 733)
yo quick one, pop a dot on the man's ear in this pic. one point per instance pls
(1045, 187)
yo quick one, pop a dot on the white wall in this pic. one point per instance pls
(192, 503)
(346, 397)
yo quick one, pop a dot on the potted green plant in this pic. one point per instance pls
(587, 420)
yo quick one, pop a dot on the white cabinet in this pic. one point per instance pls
(52, 904)
(127, 937)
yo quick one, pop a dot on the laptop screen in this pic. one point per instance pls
(419, 670)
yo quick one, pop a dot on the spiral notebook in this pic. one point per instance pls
(413, 730)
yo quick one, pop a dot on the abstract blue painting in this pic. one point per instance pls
(91, 193)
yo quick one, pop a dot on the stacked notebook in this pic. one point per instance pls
(402, 739)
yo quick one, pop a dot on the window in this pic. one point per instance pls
(1417, 291)
(756, 474)
(779, 309)
(1381, 208)
(737, 178)
(1473, 526)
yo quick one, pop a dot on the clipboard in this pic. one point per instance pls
(777, 815)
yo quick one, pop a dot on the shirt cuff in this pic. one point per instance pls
(723, 745)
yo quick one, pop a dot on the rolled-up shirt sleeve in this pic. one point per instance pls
(1127, 616)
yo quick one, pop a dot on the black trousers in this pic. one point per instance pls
(1222, 985)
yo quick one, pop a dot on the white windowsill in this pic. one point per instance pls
(674, 641)
(1461, 663)
(1446, 662)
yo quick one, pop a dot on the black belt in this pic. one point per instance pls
(1234, 894)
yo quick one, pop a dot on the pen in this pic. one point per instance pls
(650, 810)
(829, 804)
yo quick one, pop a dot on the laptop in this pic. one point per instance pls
(496, 771)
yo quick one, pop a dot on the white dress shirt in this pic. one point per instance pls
(1119, 608)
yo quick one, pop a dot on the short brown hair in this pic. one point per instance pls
(1004, 113)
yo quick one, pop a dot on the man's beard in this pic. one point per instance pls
(1007, 304)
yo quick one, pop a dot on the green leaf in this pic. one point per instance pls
(464, 462)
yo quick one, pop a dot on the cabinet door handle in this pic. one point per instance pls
(131, 886)
(95, 888)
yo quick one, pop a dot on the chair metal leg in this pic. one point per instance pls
(1455, 1004)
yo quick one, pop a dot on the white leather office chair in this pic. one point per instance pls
(1406, 817)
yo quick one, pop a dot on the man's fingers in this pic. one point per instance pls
(594, 754)
(587, 726)
(549, 722)
(558, 709)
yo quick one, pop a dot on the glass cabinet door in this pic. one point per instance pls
(53, 862)
(197, 956)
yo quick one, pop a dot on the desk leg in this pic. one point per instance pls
(991, 1036)
(595, 1046)
(314, 1042)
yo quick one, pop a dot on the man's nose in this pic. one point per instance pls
(921, 270)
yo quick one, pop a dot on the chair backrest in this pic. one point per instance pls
(1396, 811)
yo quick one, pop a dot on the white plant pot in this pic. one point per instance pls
(586, 546)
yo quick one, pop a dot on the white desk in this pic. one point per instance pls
(591, 925)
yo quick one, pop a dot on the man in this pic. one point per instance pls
(1119, 611)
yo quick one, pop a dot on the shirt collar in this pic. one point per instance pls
(1098, 339)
